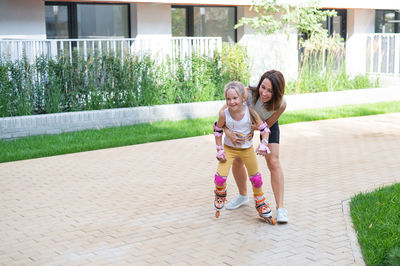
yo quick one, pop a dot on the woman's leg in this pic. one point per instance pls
(277, 178)
(240, 175)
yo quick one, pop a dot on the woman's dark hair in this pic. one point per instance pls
(278, 88)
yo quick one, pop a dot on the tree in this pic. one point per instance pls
(305, 17)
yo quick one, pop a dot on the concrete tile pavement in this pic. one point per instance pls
(338, 98)
(152, 203)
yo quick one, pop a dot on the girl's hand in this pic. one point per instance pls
(235, 137)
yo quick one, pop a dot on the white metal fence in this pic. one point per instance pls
(383, 54)
(159, 47)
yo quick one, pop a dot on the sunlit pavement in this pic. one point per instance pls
(153, 203)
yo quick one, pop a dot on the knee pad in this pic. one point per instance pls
(256, 180)
(219, 180)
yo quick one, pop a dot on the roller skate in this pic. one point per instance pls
(263, 210)
(220, 197)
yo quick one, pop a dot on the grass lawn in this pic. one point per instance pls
(376, 218)
(48, 145)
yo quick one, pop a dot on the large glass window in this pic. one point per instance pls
(57, 24)
(204, 22)
(337, 24)
(179, 22)
(87, 21)
(102, 21)
(387, 21)
(215, 22)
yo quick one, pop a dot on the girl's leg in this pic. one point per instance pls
(250, 161)
(220, 178)
(240, 175)
(277, 178)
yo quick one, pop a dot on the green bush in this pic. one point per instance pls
(323, 68)
(101, 80)
(235, 63)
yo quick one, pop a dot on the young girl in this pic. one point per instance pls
(239, 118)
(268, 100)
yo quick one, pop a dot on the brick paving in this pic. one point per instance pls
(152, 203)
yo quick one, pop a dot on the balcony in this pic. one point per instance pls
(175, 47)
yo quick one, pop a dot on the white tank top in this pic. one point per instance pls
(243, 127)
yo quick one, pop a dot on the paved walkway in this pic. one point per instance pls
(151, 204)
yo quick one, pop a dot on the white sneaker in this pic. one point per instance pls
(238, 201)
(282, 215)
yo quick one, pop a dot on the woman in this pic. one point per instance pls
(268, 101)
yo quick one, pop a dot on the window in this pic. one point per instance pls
(102, 21)
(87, 21)
(387, 21)
(57, 22)
(204, 22)
(337, 24)
(178, 22)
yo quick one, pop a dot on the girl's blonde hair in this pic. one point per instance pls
(237, 86)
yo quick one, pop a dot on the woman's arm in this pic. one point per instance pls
(262, 149)
(275, 116)
(246, 93)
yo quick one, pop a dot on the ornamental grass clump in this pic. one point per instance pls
(103, 80)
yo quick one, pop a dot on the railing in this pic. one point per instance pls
(383, 54)
(175, 47)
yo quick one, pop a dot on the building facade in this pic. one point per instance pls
(38, 19)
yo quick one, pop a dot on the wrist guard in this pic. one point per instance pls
(220, 152)
(264, 128)
(263, 147)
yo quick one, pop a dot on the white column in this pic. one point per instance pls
(397, 55)
(22, 19)
(359, 23)
(153, 20)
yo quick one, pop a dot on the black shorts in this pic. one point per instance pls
(274, 135)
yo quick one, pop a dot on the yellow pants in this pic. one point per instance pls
(250, 161)
(247, 155)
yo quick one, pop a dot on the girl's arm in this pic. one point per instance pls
(218, 132)
(220, 123)
(275, 116)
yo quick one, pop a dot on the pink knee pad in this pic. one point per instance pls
(219, 180)
(256, 180)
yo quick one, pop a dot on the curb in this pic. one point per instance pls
(358, 258)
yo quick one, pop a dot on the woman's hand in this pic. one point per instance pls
(234, 137)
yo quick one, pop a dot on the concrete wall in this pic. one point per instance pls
(22, 19)
(359, 22)
(277, 51)
(153, 20)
